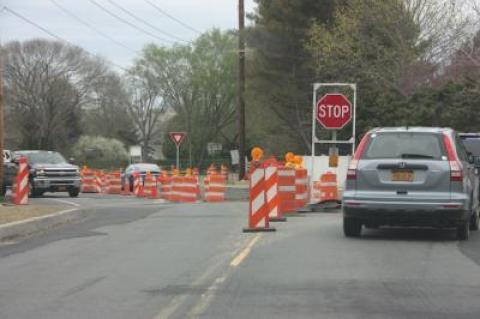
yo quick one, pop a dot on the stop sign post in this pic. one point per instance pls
(333, 111)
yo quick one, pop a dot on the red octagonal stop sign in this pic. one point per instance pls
(334, 111)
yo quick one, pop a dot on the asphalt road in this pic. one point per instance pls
(137, 259)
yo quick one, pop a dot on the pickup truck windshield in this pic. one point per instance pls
(43, 157)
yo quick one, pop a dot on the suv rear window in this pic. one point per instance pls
(412, 145)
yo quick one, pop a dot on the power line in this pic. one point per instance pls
(18, 15)
(25, 19)
(95, 3)
(78, 19)
(172, 17)
(145, 22)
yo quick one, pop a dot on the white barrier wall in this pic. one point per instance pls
(321, 167)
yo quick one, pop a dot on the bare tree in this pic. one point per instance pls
(145, 109)
(47, 84)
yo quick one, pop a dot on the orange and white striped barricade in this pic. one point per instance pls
(176, 188)
(328, 188)
(105, 179)
(114, 184)
(21, 189)
(271, 191)
(196, 173)
(301, 188)
(258, 219)
(316, 192)
(126, 186)
(215, 189)
(150, 186)
(88, 181)
(224, 171)
(184, 189)
(165, 186)
(137, 184)
(286, 190)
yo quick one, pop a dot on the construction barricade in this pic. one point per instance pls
(327, 188)
(184, 189)
(88, 181)
(99, 181)
(215, 188)
(258, 214)
(271, 191)
(21, 186)
(286, 190)
(126, 191)
(165, 186)
(150, 186)
(301, 188)
(114, 183)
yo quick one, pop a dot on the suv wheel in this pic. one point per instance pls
(74, 192)
(351, 227)
(463, 231)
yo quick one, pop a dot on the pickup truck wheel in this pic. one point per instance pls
(74, 192)
(352, 227)
(32, 192)
(463, 231)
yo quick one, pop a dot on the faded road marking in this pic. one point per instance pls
(244, 253)
(65, 202)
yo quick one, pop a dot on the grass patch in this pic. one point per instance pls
(14, 213)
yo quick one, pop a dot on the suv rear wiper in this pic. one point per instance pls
(407, 155)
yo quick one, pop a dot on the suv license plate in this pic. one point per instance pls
(62, 188)
(403, 176)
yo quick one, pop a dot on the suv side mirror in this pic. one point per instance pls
(71, 160)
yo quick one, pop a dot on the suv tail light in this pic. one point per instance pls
(456, 169)
(352, 168)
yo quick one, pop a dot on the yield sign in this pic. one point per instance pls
(177, 137)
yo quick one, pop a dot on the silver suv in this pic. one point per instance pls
(411, 176)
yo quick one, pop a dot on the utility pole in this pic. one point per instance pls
(1, 120)
(241, 88)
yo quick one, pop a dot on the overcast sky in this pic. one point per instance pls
(199, 15)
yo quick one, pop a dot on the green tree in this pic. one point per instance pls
(280, 71)
(100, 152)
(377, 45)
(198, 82)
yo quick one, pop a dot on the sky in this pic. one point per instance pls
(113, 39)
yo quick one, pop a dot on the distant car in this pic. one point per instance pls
(411, 177)
(141, 169)
(50, 172)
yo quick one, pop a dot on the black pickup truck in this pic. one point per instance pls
(50, 172)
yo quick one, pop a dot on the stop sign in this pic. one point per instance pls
(334, 111)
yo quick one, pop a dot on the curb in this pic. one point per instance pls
(33, 225)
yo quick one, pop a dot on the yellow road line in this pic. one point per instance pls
(244, 253)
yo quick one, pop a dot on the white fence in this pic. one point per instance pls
(321, 167)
